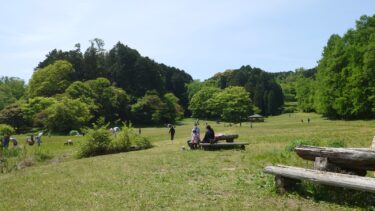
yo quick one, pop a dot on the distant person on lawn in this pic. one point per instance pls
(6, 140)
(209, 136)
(197, 130)
(172, 131)
(195, 140)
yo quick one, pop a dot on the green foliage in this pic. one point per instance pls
(42, 155)
(305, 93)
(142, 142)
(265, 93)
(51, 80)
(102, 98)
(11, 89)
(233, 104)
(100, 141)
(34, 110)
(97, 142)
(199, 102)
(13, 115)
(6, 130)
(124, 67)
(346, 74)
(158, 110)
(66, 115)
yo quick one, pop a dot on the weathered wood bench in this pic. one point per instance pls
(352, 160)
(227, 138)
(341, 167)
(215, 143)
(207, 146)
(287, 176)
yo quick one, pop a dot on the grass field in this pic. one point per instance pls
(169, 178)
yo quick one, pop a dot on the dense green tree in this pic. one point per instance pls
(305, 93)
(11, 89)
(34, 109)
(149, 108)
(13, 115)
(346, 74)
(125, 68)
(175, 111)
(156, 109)
(102, 98)
(199, 102)
(258, 83)
(51, 80)
(67, 115)
(233, 104)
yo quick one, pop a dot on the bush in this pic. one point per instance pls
(6, 130)
(122, 142)
(142, 142)
(97, 142)
(100, 141)
(41, 155)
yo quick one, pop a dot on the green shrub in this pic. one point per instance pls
(97, 142)
(142, 142)
(122, 141)
(6, 130)
(100, 141)
(11, 152)
(41, 155)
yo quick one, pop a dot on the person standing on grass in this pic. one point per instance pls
(172, 131)
(6, 140)
(197, 130)
(194, 140)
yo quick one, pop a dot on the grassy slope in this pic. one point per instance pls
(166, 177)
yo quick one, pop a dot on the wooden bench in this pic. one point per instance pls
(207, 146)
(227, 138)
(287, 176)
(352, 160)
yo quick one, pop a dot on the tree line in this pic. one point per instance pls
(342, 86)
(72, 89)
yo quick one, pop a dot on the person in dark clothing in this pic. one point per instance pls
(209, 135)
(172, 131)
(6, 140)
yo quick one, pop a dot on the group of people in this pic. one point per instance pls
(7, 139)
(195, 136)
(38, 139)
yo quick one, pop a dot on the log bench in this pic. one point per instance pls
(286, 178)
(216, 144)
(207, 146)
(227, 138)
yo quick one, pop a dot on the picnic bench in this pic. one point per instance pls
(340, 167)
(216, 144)
(207, 146)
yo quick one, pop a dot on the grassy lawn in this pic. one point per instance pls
(167, 177)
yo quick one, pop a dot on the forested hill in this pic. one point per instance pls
(124, 67)
(265, 93)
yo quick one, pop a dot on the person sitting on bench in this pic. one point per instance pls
(209, 136)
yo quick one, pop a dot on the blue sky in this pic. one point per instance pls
(200, 37)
